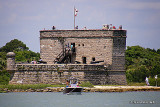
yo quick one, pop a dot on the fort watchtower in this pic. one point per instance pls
(84, 46)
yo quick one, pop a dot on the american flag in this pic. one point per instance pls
(75, 12)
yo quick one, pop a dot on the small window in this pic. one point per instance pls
(93, 59)
(82, 44)
(79, 45)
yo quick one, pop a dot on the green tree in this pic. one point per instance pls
(4, 77)
(137, 74)
(3, 55)
(2, 64)
(23, 54)
(141, 62)
(13, 45)
(26, 56)
(158, 51)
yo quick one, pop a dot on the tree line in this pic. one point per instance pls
(23, 54)
(140, 62)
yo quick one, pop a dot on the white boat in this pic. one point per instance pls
(73, 88)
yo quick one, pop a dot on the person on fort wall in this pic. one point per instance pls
(67, 47)
(72, 47)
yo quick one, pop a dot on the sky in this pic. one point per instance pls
(23, 19)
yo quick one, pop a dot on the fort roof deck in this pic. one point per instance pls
(83, 33)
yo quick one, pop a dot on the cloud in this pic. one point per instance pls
(38, 17)
(132, 4)
(144, 5)
(12, 18)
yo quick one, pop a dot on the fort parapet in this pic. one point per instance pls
(59, 73)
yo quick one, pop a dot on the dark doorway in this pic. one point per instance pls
(93, 59)
(73, 47)
(73, 44)
(84, 60)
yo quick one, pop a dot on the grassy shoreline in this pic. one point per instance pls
(42, 86)
(59, 88)
(26, 86)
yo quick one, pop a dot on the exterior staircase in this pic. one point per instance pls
(64, 57)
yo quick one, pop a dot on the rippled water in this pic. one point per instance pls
(51, 99)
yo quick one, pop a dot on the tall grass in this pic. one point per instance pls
(136, 84)
(28, 86)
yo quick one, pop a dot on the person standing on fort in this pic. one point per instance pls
(71, 47)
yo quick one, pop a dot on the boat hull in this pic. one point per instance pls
(72, 90)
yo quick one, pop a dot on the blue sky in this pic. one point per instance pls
(23, 19)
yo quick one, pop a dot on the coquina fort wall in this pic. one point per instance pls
(97, 56)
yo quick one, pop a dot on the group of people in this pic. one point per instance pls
(70, 47)
(75, 84)
(35, 62)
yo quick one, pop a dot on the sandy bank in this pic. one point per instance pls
(123, 88)
(95, 89)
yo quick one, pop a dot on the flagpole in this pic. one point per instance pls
(74, 17)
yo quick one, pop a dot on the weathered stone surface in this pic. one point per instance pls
(99, 44)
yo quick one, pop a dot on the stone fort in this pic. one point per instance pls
(95, 55)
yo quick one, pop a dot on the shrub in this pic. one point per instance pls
(152, 81)
(136, 84)
(86, 84)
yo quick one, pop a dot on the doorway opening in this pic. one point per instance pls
(73, 47)
(84, 60)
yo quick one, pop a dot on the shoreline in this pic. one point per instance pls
(87, 89)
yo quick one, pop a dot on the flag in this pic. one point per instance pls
(75, 11)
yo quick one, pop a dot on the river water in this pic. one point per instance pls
(96, 99)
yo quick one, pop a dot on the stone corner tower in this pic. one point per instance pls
(10, 61)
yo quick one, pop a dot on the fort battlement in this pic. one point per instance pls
(59, 73)
(82, 33)
(59, 67)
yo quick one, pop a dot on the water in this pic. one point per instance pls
(58, 99)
